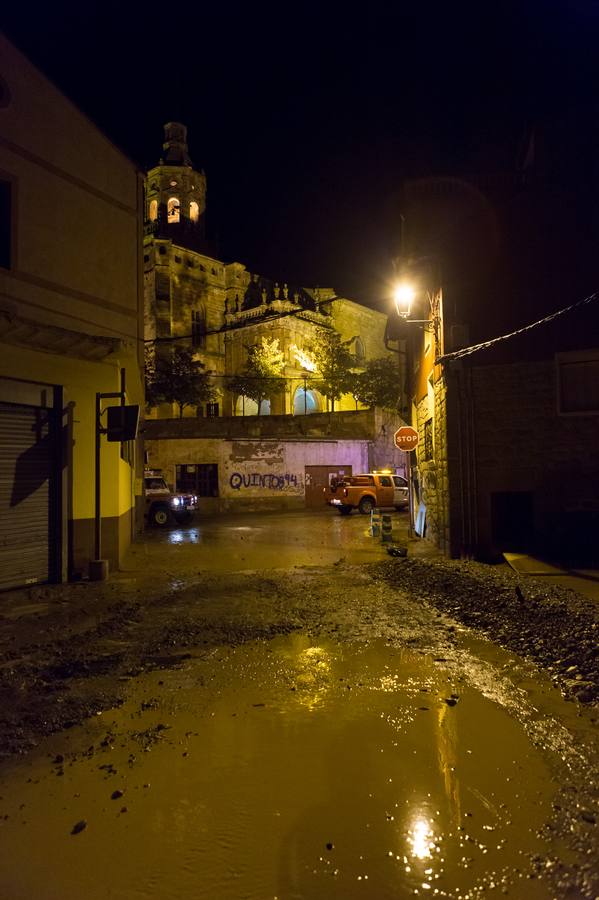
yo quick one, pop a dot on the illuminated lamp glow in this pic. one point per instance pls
(403, 296)
(303, 358)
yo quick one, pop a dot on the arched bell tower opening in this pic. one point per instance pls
(176, 193)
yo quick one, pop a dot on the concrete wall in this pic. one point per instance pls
(75, 265)
(77, 209)
(256, 474)
(262, 460)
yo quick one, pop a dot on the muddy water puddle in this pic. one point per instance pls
(285, 769)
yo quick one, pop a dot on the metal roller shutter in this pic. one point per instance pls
(26, 455)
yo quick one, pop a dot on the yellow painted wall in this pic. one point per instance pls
(80, 380)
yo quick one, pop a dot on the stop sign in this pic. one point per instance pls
(406, 438)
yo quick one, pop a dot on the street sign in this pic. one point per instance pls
(121, 423)
(406, 438)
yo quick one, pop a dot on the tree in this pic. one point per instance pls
(334, 362)
(176, 378)
(261, 375)
(378, 385)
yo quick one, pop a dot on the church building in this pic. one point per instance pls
(218, 310)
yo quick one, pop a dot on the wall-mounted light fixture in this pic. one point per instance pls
(404, 295)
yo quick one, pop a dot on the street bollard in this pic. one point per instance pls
(386, 529)
(375, 522)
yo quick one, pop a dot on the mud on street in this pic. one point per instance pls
(393, 728)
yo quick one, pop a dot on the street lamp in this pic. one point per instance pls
(404, 294)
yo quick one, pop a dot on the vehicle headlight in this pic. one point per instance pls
(176, 501)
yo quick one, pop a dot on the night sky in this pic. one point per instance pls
(307, 119)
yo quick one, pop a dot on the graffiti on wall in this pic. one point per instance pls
(269, 481)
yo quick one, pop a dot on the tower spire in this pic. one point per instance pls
(175, 145)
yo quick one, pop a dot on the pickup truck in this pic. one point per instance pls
(365, 492)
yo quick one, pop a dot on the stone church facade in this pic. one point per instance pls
(219, 309)
(231, 457)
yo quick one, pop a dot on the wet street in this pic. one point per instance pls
(269, 541)
(268, 718)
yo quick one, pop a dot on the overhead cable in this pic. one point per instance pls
(484, 345)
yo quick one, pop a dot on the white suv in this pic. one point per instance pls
(162, 504)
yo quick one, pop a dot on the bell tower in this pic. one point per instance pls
(176, 192)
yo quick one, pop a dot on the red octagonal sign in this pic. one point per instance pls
(406, 438)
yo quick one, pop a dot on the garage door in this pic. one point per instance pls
(319, 477)
(27, 451)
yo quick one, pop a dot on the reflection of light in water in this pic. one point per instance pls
(183, 536)
(389, 683)
(447, 743)
(420, 835)
(312, 672)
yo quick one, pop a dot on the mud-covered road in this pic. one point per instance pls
(412, 678)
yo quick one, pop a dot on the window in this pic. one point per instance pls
(194, 211)
(173, 210)
(305, 402)
(5, 224)
(245, 406)
(359, 350)
(200, 479)
(198, 328)
(212, 410)
(578, 383)
(153, 210)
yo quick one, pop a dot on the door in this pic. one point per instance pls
(28, 542)
(317, 478)
(386, 491)
(512, 521)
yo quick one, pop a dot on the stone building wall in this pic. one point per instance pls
(522, 445)
(442, 473)
(432, 469)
